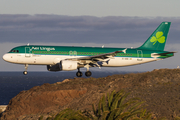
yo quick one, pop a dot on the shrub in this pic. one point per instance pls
(113, 107)
(69, 114)
(41, 118)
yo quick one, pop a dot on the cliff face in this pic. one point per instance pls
(159, 88)
(39, 100)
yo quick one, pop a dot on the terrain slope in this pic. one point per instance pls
(159, 88)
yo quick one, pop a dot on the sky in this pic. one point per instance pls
(97, 8)
(113, 23)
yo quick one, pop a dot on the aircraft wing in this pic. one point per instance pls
(100, 57)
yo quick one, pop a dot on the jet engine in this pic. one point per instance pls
(64, 65)
(53, 67)
(68, 65)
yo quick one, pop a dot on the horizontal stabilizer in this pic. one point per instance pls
(164, 54)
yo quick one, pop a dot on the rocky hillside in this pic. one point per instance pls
(159, 88)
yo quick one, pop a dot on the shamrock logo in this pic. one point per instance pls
(159, 37)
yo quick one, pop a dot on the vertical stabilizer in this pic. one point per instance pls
(157, 40)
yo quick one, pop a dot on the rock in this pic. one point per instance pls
(159, 88)
(2, 108)
(66, 80)
(58, 82)
(156, 69)
(33, 102)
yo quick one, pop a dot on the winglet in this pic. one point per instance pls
(124, 50)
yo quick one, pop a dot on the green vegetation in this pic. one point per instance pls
(114, 106)
(69, 114)
(41, 118)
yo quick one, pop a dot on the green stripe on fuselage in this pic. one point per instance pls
(84, 51)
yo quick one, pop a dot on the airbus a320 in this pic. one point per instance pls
(67, 58)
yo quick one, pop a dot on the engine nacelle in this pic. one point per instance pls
(53, 67)
(65, 65)
(68, 65)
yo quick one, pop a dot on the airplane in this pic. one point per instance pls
(67, 58)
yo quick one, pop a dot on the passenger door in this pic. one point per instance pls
(139, 55)
(27, 52)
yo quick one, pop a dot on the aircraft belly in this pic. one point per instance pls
(33, 59)
(53, 59)
(123, 61)
(43, 60)
(48, 59)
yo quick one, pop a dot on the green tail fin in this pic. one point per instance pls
(158, 38)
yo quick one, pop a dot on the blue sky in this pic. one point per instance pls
(113, 23)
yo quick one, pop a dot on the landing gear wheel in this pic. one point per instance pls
(88, 73)
(79, 74)
(25, 72)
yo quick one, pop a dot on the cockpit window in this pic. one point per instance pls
(15, 51)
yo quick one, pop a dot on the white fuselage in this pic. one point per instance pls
(32, 59)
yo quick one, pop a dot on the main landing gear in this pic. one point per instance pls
(79, 73)
(87, 73)
(26, 67)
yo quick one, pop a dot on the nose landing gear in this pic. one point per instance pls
(26, 67)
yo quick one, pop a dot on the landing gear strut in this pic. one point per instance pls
(79, 73)
(87, 73)
(26, 67)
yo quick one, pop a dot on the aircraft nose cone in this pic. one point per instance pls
(6, 57)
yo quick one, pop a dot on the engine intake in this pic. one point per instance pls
(53, 67)
(64, 65)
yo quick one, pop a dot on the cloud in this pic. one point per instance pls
(81, 29)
